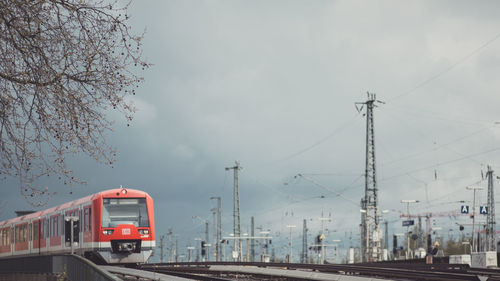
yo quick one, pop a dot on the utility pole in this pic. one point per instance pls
(322, 238)
(218, 238)
(386, 236)
(291, 242)
(420, 233)
(161, 248)
(237, 253)
(407, 202)
(176, 250)
(303, 257)
(370, 232)
(214, 241)
(474, 188)
(491, 241)
(170, 246)
(252, 243)
(207, 252)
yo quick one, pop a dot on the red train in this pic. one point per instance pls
(112, 226)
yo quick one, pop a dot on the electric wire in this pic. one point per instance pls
(438, 147)
(317, 143)
(442, 163)
(446, 70)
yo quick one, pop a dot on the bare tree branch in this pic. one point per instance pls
(63, 64)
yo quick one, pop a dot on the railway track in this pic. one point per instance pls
(276, 271)
(127, 274)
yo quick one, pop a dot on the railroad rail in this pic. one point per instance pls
(160, 275)
(407, 271)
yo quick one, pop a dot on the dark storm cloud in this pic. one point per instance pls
(266, 82)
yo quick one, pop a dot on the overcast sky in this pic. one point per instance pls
(273, 85)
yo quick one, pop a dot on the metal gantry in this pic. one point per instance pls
(370, 231)
(491, 242)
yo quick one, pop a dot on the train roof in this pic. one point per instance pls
(106, 193)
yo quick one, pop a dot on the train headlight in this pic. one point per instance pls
(124, 191)
(143, 231)
(107, 231)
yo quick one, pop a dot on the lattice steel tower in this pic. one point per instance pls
(370, 232)
(236, 214)
(491, 241)
(303, 256)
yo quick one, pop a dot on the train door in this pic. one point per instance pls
(87, 224)
(12, 240)
(46, 237)
(71, 219)
(30, 237)
(36, 237)
(42, 235)
(80, 227)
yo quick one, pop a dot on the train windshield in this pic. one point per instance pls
(116, 211)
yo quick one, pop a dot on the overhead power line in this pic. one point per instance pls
(435, 148)
(334, 133)
(446, 70)
(440, 164)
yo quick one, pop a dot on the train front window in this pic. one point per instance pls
(118, 211)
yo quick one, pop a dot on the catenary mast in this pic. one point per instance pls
(370, 231)
(491, 242)
(236, 214)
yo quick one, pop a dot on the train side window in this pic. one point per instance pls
(86, 219)
(35, 231)
(90, 219)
